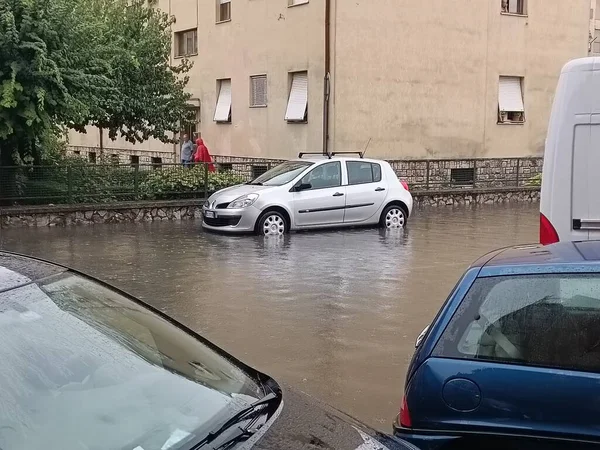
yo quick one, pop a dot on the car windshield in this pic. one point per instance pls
(282, 174)
(84, 367)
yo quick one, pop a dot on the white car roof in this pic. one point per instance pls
(317, 159)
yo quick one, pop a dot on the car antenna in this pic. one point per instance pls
(366, 147)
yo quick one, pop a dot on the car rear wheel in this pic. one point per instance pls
(272, 223)
(393, 216)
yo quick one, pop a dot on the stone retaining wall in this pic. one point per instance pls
(49, 216)
(477, 196)
(63, 215)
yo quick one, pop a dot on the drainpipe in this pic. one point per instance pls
(326, 86)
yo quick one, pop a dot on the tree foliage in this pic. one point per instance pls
(73, 63)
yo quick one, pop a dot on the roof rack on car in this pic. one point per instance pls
(360, 154)
(301, 154)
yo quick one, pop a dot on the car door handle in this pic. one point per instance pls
(338, 194)
(379, 189)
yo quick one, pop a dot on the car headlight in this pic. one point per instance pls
(206, 204)
(244, 201)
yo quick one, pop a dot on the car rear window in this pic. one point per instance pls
(542, 320)
(363, 172)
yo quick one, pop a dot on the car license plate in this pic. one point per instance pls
(209, 214)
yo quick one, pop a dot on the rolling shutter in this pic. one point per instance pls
(510, 96)
(298, 100)
(223, 108)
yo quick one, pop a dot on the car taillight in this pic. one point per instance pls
(405, 414)
(548, 234)
(404, 184)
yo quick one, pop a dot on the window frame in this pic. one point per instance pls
(507, 12)
(372, 173)
(508, 113)
(181, 40)
(253, 78)
(219, 16)
(291, 76)
(319, 166)
(220, 87)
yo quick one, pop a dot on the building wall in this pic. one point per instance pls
(84, 143)
(263, 37)
(426, 84)
(417, 79)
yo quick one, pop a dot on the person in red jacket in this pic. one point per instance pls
(203, 156)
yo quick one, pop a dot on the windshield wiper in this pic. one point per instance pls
(241, 415)
(254, 183)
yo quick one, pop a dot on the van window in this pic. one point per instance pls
(541, 320)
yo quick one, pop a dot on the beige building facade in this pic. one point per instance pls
(428, 79)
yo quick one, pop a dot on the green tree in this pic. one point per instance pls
(73, 63)
(149, 99)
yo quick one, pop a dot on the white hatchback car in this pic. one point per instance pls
(309, 193)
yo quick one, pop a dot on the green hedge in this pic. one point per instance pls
(535, 180)
(177, 182)
(74, 180)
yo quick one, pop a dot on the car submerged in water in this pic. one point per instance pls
(87, 367)
(312, 193)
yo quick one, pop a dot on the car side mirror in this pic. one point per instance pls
(303, 186)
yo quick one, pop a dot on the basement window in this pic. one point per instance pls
(462, 176)
(257, 171)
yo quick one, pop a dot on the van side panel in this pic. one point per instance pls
(571, 172)
(555, 201)
(580, 181)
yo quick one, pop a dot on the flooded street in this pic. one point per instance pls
(334, 314)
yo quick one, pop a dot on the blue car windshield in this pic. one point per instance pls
(282, 174)
(84, 367)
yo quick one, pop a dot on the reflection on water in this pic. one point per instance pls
(334, 313)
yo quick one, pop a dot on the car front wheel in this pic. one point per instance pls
(272, 223)
(393, 216)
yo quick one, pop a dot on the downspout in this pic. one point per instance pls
(171, 64)
(326, 86)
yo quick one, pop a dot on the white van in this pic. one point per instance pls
(570, 197)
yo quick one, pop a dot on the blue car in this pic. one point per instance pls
(512, 359)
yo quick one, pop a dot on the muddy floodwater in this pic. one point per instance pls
(334, 314)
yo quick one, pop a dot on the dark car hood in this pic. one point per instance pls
(305, 423)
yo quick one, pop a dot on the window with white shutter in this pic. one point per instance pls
(223, 108)
(297, 107)
(511, 108)
(223, 10)
(258, 91)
